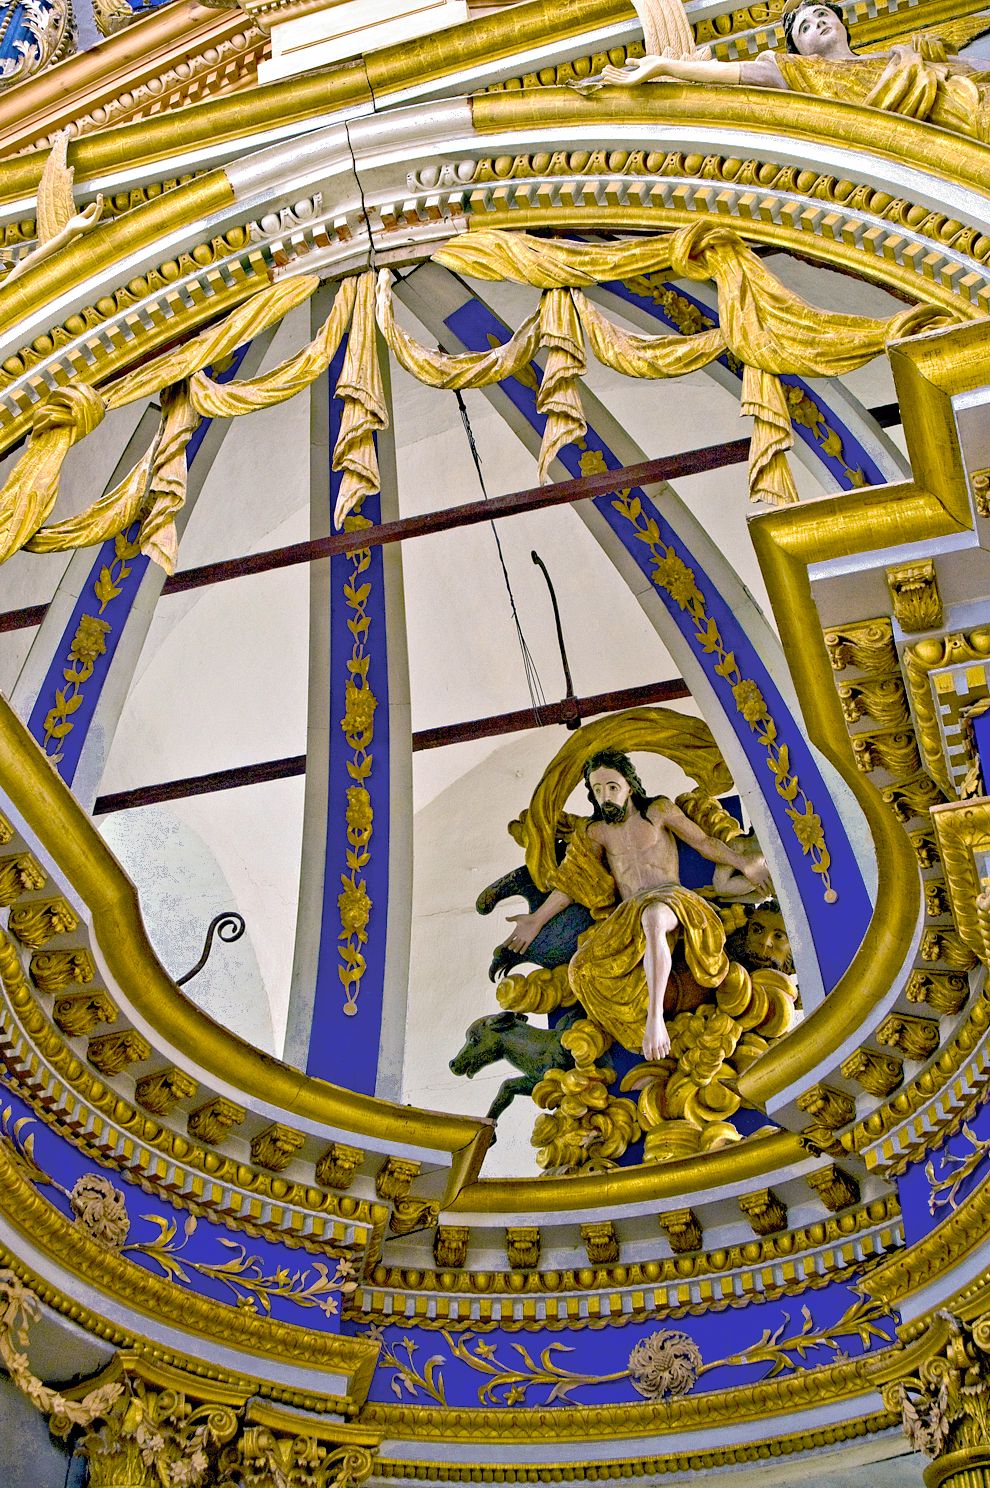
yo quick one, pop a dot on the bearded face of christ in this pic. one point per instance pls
(611, 792)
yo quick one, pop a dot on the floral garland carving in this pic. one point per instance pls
(88, 643)
(354, 903)
(19, 1308)
(675, 578)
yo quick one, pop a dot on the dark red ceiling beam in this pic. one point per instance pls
(536, 498)
(451, 733)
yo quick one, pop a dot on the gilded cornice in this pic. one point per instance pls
(922, 1265)
(59, 275)
(87, 90)
(959, 1067)
(329, 1219)
(45, 1231)
(760, 1400)
(482, 1301)
(795, 116)
(592, 1471)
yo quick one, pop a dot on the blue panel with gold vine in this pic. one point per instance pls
(930, 1192)
(811, 832)
(620, 1365)
(347, 1002)
(262, 1276)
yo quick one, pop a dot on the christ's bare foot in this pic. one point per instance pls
(656, 1040)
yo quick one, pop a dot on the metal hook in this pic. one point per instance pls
(574, 722)
(229, 926)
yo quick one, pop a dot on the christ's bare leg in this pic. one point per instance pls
(658, 921)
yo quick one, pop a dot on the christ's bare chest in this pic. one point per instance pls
(641, 854)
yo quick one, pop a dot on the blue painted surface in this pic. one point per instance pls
(923, 1210)
(343, 1048)
(981, 733)
(604, 1350)
(857, 458)
(115, 612)
(837, 928)
(209, 1243)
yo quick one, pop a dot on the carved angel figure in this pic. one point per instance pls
(918, 79)
(58, 221)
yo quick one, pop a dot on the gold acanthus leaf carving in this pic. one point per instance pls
(916, 1038)
(394, 1177)
(20, 874)
(36, 923)
(879, 1074)
(522, 1246)
(912, 798)
(827, 1106)
(765, 1212)
(881, 698)
(945, 947)
(337, 1166)
(111, 1053)
(410, 1215)
(275, 1147)
(867, 645)
(682, 1229)
(53, 971)
(601, 1243)
(78, 1013)
(915, 596)
(836, 1188)
(158, 1093)
(945, 992)
(215, 1120)
(893, 750)
(450, 1246)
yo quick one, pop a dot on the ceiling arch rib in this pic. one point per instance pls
(121, 580)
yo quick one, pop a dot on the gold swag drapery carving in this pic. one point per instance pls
(767, 327)
(156, 487)
(770, 330)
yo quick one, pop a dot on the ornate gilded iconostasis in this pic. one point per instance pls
(415, 428)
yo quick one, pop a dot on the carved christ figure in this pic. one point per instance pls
(627, 851)
(916, 79)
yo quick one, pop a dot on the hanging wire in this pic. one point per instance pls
(537, 697)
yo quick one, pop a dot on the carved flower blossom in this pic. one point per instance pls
(664, 1365)
(750, 701)
(354, 906)
(673, 574)
(89, 641)
(807, 827)
(359, 711)
(359, 813)
(101, 1210)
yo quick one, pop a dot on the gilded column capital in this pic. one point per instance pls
(296, 1451)
(945, 1404)
(163, 1425)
